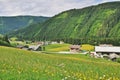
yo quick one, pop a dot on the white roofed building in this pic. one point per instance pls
(107, 49)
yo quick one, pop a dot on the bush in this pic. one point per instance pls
(3, 43)
(118, 60)
(26, 46)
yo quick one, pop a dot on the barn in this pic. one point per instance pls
(110, 52)
(74, 48)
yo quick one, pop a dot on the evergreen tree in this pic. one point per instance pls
(5, 38)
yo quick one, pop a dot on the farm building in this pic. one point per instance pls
(107, 49)
(74, 48)
(35, 47)
(19, 46)
(111, 52)
(22, 46)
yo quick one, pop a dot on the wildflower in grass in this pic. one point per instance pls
(35, 70)
(100, 78)
(65, 71)
(19, 72)
(85, 78)
(3, 70)
(49, 66)
(109, 78)
(66, 77)
(103, 76)
(11, 67)
(69, 76)
(52, 74)
(4, 64)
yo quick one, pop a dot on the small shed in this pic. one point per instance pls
(74, 48)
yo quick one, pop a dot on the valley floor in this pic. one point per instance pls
(17, 64)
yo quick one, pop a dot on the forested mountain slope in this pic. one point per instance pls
(102, 20)
(11, 23)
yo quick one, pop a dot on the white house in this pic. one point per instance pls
(107, 49)
(35, 47)
(112, 52)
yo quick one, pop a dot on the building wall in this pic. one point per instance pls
(107, 49)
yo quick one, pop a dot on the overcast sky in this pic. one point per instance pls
(42, 7)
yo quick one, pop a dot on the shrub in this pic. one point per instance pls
(118, 60)
(3, 43)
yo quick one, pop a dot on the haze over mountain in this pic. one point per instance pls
(12, 23)
(102, 20)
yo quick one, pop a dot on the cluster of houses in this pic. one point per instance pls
(37, 46)
(102, 51)
(31, 47)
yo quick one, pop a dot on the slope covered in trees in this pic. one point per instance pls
(11, 23)
(100, 21)
(4, 41)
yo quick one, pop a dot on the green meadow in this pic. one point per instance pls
(66, 47)
(17, 64)
(57, 47)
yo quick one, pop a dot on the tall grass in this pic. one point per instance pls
(16, 64)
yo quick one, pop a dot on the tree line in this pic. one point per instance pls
(93, 41)
(4, 41)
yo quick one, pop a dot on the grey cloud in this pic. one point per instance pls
(42, 7)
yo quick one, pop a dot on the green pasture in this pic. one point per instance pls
(17, 64)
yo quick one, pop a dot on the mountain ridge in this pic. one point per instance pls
(102, 20)
(11, 23)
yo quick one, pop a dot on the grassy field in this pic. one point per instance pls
(17, 64)
(57, 47)
(87, 47)
(66, 47)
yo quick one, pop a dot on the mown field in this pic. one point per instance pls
(57, 47)
(66, 47)
(17, 64)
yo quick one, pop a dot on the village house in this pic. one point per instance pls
(39, 43)
(107, 49)
(111, 52)
(105, 45)
(61, 42)
(35, 48)
(75, 48)
(54, 42)
(19, 46)
(22, 46)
